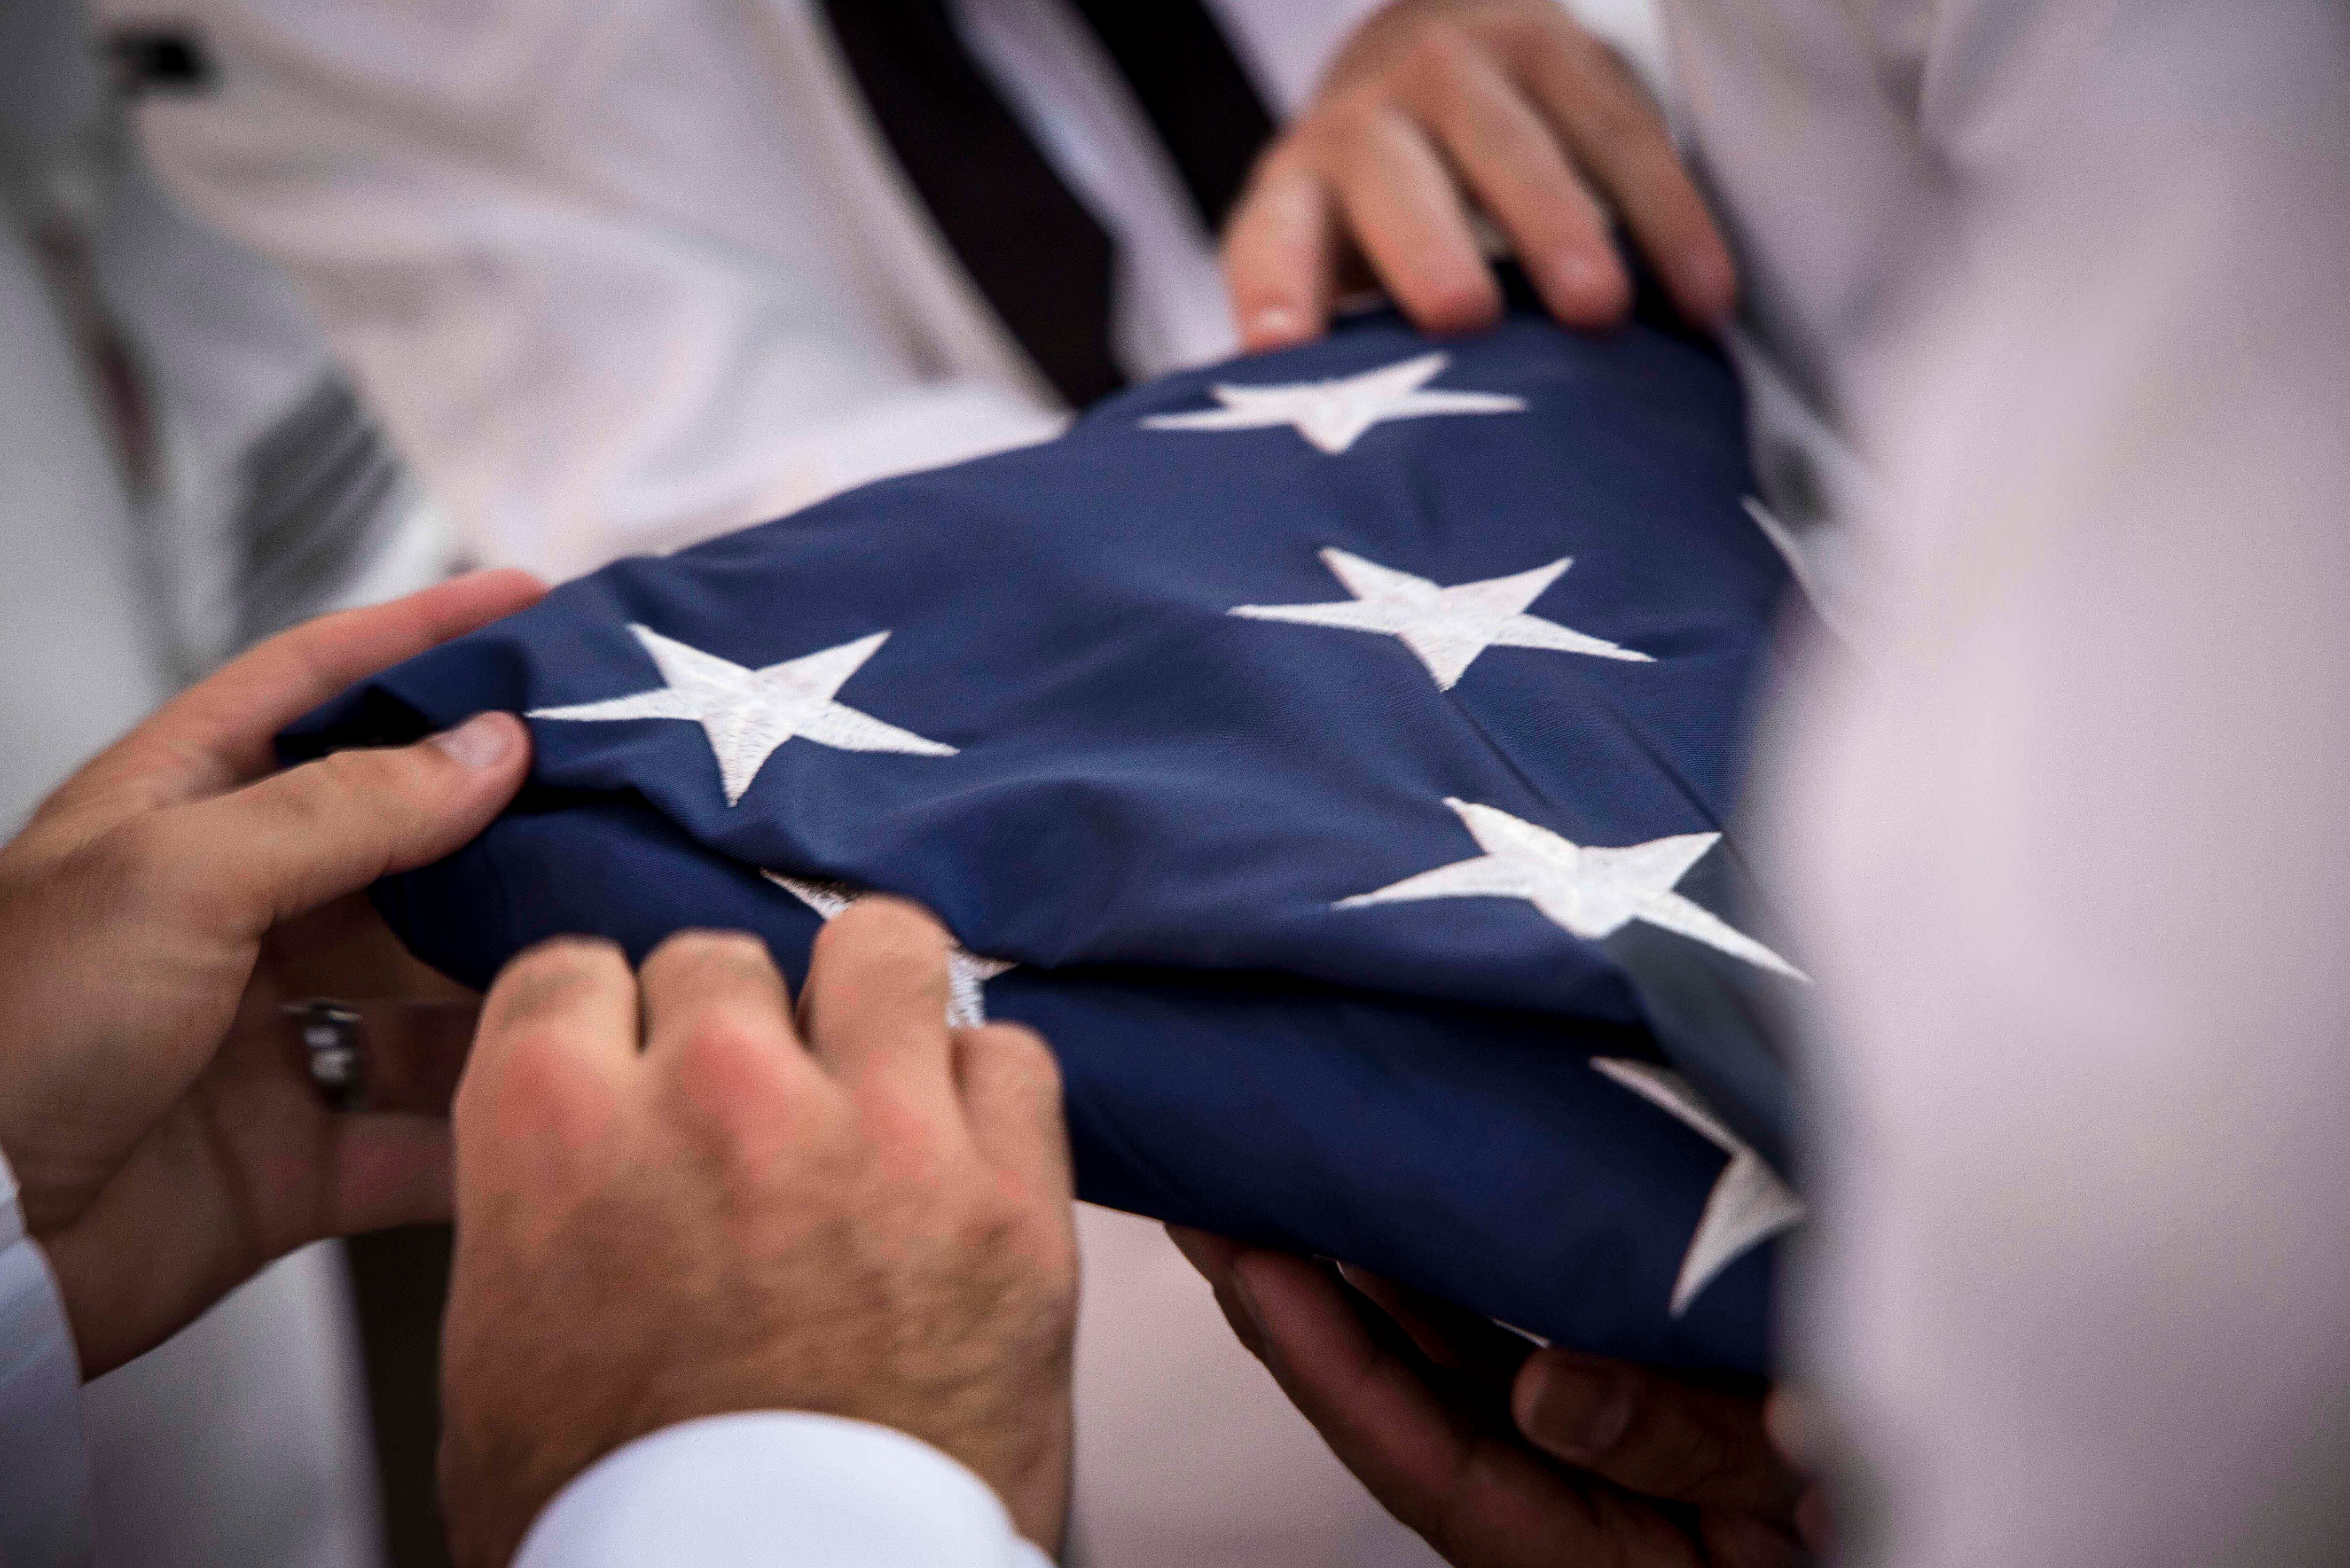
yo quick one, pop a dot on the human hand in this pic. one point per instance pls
(1435, 105)
(166, 1142)
(713, 1210)
(1501, 1455)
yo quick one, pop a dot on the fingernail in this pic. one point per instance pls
(484, 740)
(1578, 1411)
(1275, 324)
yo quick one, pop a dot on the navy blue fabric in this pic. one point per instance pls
(1155, 804)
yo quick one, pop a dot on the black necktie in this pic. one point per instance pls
(1038, 255)
(1194, 90)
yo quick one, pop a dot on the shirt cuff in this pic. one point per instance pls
(777, 1490)
(45, 1519)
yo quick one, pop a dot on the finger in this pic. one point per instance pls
(1653, 1435)
(274, 849)
(170, 1233)
(1214, 1256)
(1619, 137)
(1475, 1493)
(388, 1169)
(162, 1243)
(218, 732)
(1792, 1419)
(1405, 213)
(715, 1003)
(1278, 261)
(1513, 161)
(1452, 1336)
(563, 1012)
(1011, 1089)
(1814, 1523)
(876, 1007)
(1743, 1540)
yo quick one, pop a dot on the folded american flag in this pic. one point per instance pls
(1330, 752)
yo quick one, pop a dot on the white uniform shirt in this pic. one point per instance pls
(621, 276)
(2068, 851)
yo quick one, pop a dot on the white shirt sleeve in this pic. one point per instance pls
(2073, 854)
(777, 1490)
(45, 1521)
(601, 271)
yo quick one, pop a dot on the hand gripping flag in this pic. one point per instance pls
(1330, 754)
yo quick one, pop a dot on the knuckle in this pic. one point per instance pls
(540, 983)
(1020, 1056)
(324, 801)
(1435, 57)
(342, 780)
(734, 1075)
(700, 945)
(572, 951)
(907, 1150)
(143, 861)
(685, 953)
(1519, 35)
(1364, 167)
(1612, 112)
(1342, 125)
(540, 1096)
(1443, 68)
(731, 1043)
(541, 976)
(880, 931)
(1011, 1219)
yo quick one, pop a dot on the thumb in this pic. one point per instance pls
(296, 839)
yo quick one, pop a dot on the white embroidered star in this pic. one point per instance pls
(967, 972)
(747, 713)
(1447, 628)
(1591, 892)
(1749, 1203)
(1333, 414)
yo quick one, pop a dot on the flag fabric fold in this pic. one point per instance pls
(1333, 754)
